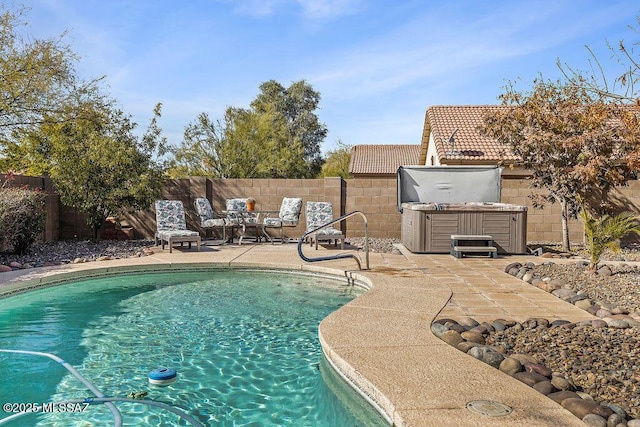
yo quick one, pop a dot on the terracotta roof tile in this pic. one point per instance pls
(382, 159)
(469, 145)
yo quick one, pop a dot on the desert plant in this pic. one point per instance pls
(22, 218)
(605, 232)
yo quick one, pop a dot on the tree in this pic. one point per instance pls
(574, 144)
(624, 87)
(200, 153)
(38, 77)
(278, 137)
(337, 162)
(296, 104)
(99, 166)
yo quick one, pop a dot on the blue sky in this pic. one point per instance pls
(377, 64)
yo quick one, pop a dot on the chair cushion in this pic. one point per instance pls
(213, 222)
(237, 205)
(318, 214)
(290, 210)
(170, 215)
(329, 231)
(203, 207)
(165, 234)
(272, 222)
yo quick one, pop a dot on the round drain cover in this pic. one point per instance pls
(489, 408)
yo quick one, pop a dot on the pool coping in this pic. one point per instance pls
(380, 342)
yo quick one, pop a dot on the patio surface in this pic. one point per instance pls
(382, 340)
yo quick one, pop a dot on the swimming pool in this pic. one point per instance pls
(244, 344)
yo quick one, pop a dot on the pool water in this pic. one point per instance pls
(244, 344)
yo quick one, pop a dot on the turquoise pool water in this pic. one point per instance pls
(244, 344)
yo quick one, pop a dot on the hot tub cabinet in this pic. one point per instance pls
(428, 227)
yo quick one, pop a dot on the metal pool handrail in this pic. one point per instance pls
(343, 255)
(100, 397)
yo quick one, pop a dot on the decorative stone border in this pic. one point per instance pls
(611, 316)
(469, 336)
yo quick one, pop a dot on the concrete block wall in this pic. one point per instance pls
(543, 225)
(376, 197)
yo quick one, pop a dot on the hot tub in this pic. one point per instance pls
(427, 227)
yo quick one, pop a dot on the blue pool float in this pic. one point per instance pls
(163, 376)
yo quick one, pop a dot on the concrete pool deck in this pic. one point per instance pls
(382, 340)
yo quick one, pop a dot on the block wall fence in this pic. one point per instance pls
(376, 197)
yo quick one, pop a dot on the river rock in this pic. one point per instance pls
(468, 321)
(455, 327)
(524, 358)
(512, 266)
(473, 336)
(564, 293)
(438, 329)
(538, 368)
(465, 346)
(561, 383)
(583, 304)
(478, 352)
(598, 323)
(510, 366)
(529, 378)
(493, 359)
(618, 324)
(544, 387)
(5, 268)
(603, 313)
(615, 419)
(593, 420)
(581, 408)
(451, 337)
(604, 271)
(560, 396)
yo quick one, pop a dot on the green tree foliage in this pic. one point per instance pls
(99, 166)
(38, 77)
(575, 145)
(52, 123)
(279, 136)
(605, 232)
(337, 162)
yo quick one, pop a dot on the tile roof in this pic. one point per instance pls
(382, 159)
(469, 145)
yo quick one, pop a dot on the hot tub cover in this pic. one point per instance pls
(448, 184)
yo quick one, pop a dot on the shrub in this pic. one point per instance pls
(605, 232)
(22, 218)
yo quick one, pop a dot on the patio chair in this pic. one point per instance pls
(209, 220)
(238, 216)
(318, 214)
(288, 216)
(171, 226)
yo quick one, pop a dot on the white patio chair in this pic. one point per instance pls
(288, 216)
(318, 214)
(171, 226)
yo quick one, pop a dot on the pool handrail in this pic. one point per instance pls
(100, 397)
(343, 255)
